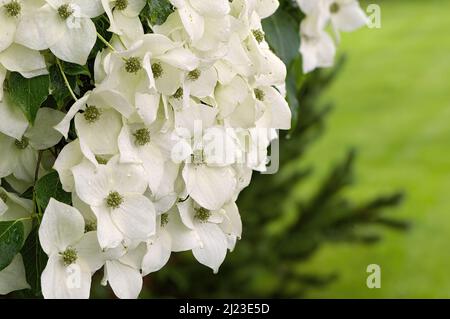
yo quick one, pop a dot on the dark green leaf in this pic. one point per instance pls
(34, 259)
(157, 11)
(282, 34)
(28, 94)
(75, 69)
(294, 81)
(58, 88)
(48, 187)
(102, 26)
(11, 240)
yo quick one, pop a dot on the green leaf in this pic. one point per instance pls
(58, 88)
(28, 94)
(11, 240)
(34, 259)
(282, 34)
(48, 187)
(294, 81)
(75, 69)
(102, 26)
(157, 11)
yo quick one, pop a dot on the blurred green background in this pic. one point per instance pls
(392, 102)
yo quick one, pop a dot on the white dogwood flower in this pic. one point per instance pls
(317, 47)
(122, 271)
(346, 15)
(138, 144)
(121, 12)
(64, 27)
(13, 17)
(171, 236)
(24, 141)
(73, 254)
(212, 238)
(115, 193)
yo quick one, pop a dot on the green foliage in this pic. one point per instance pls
(281, 31)
(28, 94)
(75, 69)
(48, 187)
(58, 88)
(11, 240)
(102, 26)
(157, 11)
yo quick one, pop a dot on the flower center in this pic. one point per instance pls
(114, 200)
(202, 214)
(142, 137)
(101, 160)
(198, 157)
(178, 94)
(65, 11)
(157, 70)
(91, 114)
(133, 65)
(13, 8)
(334, 8)
(90, 226)
(3, 197)
(194, 75)
(69, 256)
(121, 4)
(259, 35)
(22, 144)
(164, 219)
(259, 94)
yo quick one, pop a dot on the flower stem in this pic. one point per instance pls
(105, 42)
(66, 81)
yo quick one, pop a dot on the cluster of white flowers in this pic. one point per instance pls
(317, 47)
(156, 154)
(178, 120)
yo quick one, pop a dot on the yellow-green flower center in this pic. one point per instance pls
(164, 219)
(133, 65)
(101, 160)
(178, 94)
(90, 226)
(22, 144)
(194, 75)
(142, 137)
(259, 94)
(157, 70)
(202, 214)
(121, 4)
(198, 157)
(334, 8)
(91, 114)
(114, 200)
(13, 8)
(259, 35)
(65, 11)
(69, 256)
